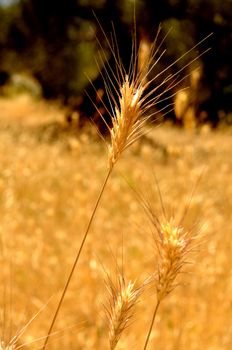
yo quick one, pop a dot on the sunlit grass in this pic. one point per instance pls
(47, 191)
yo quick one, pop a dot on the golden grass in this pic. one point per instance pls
(129, 112)
(174, 246)
(127, 122)
(47, 193)
(123, 296)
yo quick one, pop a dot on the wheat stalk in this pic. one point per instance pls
(131, 104)
(174, 245)
(127, 121)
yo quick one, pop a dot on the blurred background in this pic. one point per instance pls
(49, 47)
(52, 165)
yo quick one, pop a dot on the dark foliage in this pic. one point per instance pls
(55, 41)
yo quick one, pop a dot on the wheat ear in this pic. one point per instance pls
(173, 245)
(123, 297)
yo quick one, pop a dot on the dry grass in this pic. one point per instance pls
(47, 194)
(128, 117)
(123, 296)
(130, 108)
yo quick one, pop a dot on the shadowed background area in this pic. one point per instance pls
(50, 47)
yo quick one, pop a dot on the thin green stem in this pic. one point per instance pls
(151, 325)
(76, 259)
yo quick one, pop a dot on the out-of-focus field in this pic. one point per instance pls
(49, 181)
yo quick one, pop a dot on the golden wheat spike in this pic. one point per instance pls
(130, 99)
(173, 244)
(123, 297)
(126, 122)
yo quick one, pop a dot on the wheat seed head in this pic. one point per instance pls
(174, 244)
(127, 90)
(130, 107)
(127, 120)
(123, 297)
(132, 93)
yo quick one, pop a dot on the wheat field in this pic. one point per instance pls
(49, 180)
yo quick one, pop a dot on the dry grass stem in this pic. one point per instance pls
(123, 297)
(77, 257)
(131, 105)
(128, 118)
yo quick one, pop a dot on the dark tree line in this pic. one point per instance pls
(55, 41)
